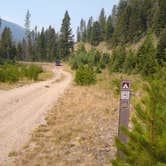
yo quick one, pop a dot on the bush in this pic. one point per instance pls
(85, 75)
(9, 73)
(33, 71)
(93, 58)
(12, 72)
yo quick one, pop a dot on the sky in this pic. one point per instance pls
(51, 12)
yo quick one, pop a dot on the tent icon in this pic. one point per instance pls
(125, 85)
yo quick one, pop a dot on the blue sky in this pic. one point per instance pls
(51, 12)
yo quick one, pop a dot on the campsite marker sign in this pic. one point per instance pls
(124, 108)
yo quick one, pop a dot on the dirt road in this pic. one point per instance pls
(23, 108)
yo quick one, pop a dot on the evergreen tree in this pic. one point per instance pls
(146, 57)
(102, 22)
(109, 29)
(6, 47)
(19, 51)
(96, 34)
(41, 46)
(51, 44)
(114, 16)
(28, 35)
(78, 34)
(121, 30)
(117, 59)
(27, 25)
(83, 30)
(159, 21)
(66, 37)
(130, 62)
(89, 29)
(147, 139)
(161, 47)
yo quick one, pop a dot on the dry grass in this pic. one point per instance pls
(45, 76)
(80, 130)
(103, 47)
(8, 86)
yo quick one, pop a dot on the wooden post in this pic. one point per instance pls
(124, 111)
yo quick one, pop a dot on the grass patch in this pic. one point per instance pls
(45, 75)
(80, 129)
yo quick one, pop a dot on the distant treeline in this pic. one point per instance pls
(128, 22)
(44, 45)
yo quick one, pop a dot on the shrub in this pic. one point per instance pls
(85, 75)
(12, 72)
(93, 58)
(9, 73)
(33, 71)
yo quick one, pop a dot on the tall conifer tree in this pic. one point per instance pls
(66, 37)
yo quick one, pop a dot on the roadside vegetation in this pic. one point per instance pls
(87, 64)
(13, 72)
(78, 130)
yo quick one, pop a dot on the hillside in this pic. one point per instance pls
(18, 32)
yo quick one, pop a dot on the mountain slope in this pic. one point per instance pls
(18, 32)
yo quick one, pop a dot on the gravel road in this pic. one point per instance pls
(23, 108)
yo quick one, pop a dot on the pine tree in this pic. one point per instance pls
(161, 47)
(96, 34)
(102, 22)
(117, 59)
(66, 37)
(130, 62)
(109, 29)
(7, 47)
(27, 25)
(41, 46)
(89, 29)
(159, 20)
(146, 57)
(78, 34)
(147, 139)
(83, 30)
(51, 43)
(114, 16)
(28, 36)
(19, 51)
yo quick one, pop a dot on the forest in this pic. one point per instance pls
(130, 22)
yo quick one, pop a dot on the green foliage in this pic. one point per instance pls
(13, 72)
(33, 71)
(85, 75)
(143, 61)
(128, 23)
(9, 73)
(93, 58)
(7, 48)
(66, 37)
(130, 62)
(102, 22)
(96, 36)
(161, 48)
(147, 140)
(146, 57)
(159, 15)
(117, 59)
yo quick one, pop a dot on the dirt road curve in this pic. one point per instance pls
(23, 108)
